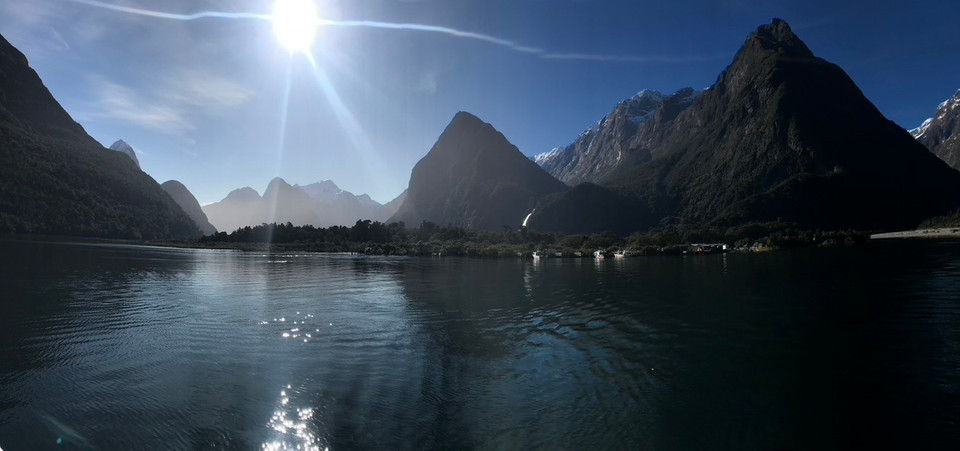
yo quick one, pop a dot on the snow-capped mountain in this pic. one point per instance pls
(124, 148)
(941, 133)
(617, 141)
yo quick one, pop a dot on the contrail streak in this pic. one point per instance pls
(433, 29)
(163, 15)
(517, 47)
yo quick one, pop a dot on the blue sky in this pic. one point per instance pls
(202, 101)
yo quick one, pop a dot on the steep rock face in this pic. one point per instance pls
(784, 135)
(390, 208)
(185, 199)
(941, 133)
(56, 179)
(124, 148)
(622, 136)
(474, 178)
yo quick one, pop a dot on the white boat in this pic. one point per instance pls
(537, 255)
(598, 254)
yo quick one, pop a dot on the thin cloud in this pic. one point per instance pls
(118, 102)
(204, 90)
(171, 109)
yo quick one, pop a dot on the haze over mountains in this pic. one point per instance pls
(321, 204)
(941, 133)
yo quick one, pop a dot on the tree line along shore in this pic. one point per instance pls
(372, 237)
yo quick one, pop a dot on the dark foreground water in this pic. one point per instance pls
(125, 347)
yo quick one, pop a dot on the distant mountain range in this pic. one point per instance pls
(474, 178)
(941, 133)
(56, 179)
(321, 204)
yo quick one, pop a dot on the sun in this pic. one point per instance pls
(295, 23)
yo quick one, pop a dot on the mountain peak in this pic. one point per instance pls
(941, 133)
(277, 182)
(124, 148)
(121, 146)
(466, 118)
(243, 194)
(473, 177)
(778, 37)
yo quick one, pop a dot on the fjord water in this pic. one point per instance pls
(132, 347)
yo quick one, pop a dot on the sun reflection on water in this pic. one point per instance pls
(288, 332)
(293, 427)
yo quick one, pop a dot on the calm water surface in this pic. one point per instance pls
(129, 347)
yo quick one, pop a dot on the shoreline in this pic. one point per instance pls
(939, 233)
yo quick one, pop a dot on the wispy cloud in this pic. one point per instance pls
(197, 88)
(174, 107)
(28, 25)
(119, 102)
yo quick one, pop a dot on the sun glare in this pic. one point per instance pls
(295, 23)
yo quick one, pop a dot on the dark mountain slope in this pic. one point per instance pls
(186, 200)
(56, 179)
(474, 178)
